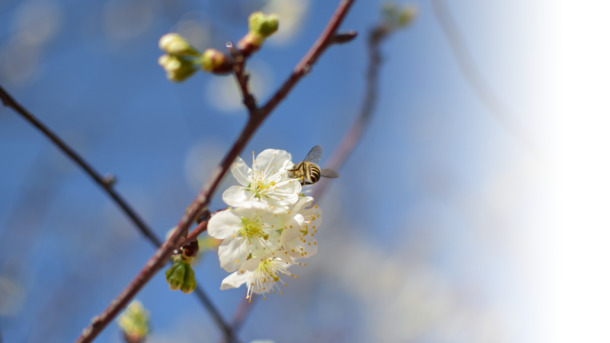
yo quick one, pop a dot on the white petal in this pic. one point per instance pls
(271, 161)
(235, 196)
(235, 280)
(298, 245)
(224, 224)
(285, 192)
(232, 252)
(241, 171)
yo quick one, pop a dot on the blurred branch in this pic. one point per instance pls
(106, 183)
(376, 36)
(473, 76)
(257, 116)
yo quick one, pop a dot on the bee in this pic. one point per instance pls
(308, 172)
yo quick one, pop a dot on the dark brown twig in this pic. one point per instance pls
(256, 118)
(105, 182)
(474, 77)
(242, 78)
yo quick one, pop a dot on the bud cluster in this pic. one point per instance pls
(182, 60)
(180, 275)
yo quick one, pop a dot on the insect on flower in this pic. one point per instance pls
(308, 172)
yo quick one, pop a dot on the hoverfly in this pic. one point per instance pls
(308, 172)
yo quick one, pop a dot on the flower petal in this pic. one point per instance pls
(285, 193)
(224, 224)
(235, 280)
(235, 196)
(232, 252)
(241, 171)
(271, 161)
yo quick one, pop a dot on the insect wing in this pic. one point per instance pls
(314, 154)
(329, 173)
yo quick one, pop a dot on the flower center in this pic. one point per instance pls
(259, 187)
(252, 228)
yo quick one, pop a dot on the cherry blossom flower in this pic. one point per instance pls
(266, 184)
(245, 232)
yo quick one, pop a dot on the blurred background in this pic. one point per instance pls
(430, 234)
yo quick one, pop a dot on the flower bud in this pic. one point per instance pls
(250, 43)
(216, 62)
(176, 67)
(174, 44)
(181, 276)
(134, 322)
(264, 25)
(175, 275)
(189, 284)
(406, 16)
(395, 17)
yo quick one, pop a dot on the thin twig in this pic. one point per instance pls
(163, 253)
(304, 66)
(473, 76)
(242, 78)
(104, 182)
(376, 36)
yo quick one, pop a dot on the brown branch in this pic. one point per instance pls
(257, 117)
(324, 41)
(106, 183)
(242, 78)
(474, 77)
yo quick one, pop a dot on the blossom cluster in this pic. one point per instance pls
(269, 226)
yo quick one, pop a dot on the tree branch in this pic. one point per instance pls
(153, 265)
(347, 145)
(104, 182)
(474, 77)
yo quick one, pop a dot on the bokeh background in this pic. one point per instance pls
(428, 236)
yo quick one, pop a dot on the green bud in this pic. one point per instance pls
(177, 68)
(189, 283)
(264, 25)
(215, 61)
(175, 275)
(406, 16)
(134, 322)
(395, 17)
(174, 44)
(181, 276)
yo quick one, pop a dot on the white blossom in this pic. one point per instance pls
(266, 184)
(245, 232)
(260, 275)
(269, 227)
